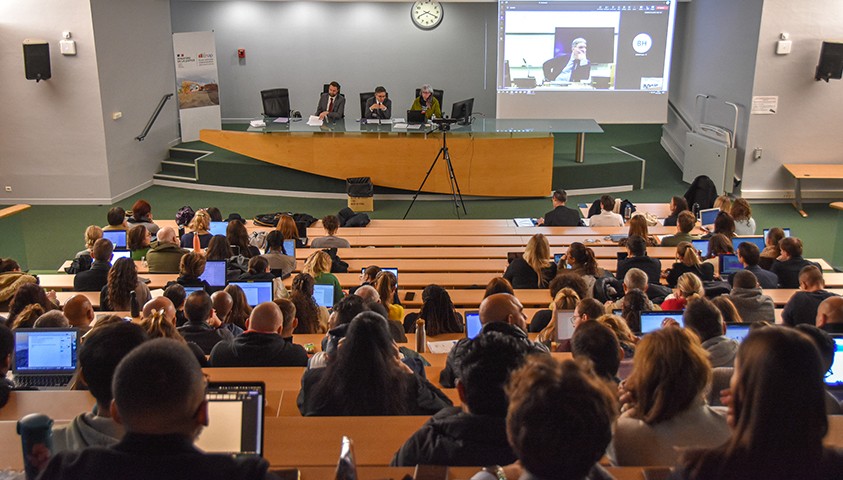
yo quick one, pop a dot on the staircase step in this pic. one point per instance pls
(176, 177)
(187, 154)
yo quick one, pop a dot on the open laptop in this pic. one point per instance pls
(472, 324)
(415, 117)
(189, 290)
(218, 228)
(564, 324)
(256, 292)
(214, 273)
(834, 377)
(236, 413)
(323, 295)
(701, 246)
(737, 331)
(652, 321)
(730, 264)
(708, 216)
(289, 248)
(117, 237)
(118, 254)
(758, 240)
(767, 230)
(45, 358)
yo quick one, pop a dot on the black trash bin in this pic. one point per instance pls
(360, 194)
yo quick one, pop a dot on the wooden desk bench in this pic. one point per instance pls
(57, 404)
(9, 211)
(811, 171)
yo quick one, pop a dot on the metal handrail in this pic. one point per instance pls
(153, 117)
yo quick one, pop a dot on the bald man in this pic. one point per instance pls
(79, 312)
(261, 345)
(223, 303)
(830, 315)
(802, 305)
(368, 293)
(165, 253)
(502, 313)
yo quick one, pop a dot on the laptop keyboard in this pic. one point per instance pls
(43, 380)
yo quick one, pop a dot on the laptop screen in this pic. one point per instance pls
(214, 273)
(834, 378)
(218, 228)
(236, 414)
(737, 331)
(702, 246)
(117, 237)
(708, 216)
(289, 248)
(758, 240)
(324, 295)
(472, 324)
(564, 324)
(118, 254)
(652, 321)
(189, 290)
(256, 292)
(729, 264)
(45, 350)
(767, 230)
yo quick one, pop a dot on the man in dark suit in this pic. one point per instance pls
(332, 104)
(379, 106)
(97, 277)
(560, 216)
(569, 68)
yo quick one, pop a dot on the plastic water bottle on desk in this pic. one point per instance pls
(197, 245)
(627, 212)
(421, 336)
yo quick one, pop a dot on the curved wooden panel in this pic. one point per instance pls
(484, 165)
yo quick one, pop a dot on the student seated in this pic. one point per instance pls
(749, 299)
(438, 313)
(7, 348)
(202, 326)
(788, 266)
(474, 434)
(777, 415)
(122, 280)
(665, 409)
(161, 419)
(142, 216)
(331, 224)
(688, 287)
(262, 344)
(607, 217)
(565, 279)
(368, 378)
(534, 269)
(96, 277)
(687, 261)
(98, 357)
(802, 306)
(749, 256)
(685, 223)
(599, 344)
(636, 248)
(705, 320)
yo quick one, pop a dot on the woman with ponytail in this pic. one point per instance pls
(688, 288)
(582, 261)
(687, 261)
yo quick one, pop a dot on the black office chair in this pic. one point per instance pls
(364, 97)
(439, 94)
(276, 102)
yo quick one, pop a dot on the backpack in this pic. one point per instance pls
(305, 218)
(268, 219)
(350, 219)
(337, 264)
(184, 215)
(79, 264)
(607, 288)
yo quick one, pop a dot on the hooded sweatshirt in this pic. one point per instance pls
(86, 430)
(752, 304)
(721, 351)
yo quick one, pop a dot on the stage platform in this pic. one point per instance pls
(606, 167)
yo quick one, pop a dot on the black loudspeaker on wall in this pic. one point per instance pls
(36, 59)
(831, 61)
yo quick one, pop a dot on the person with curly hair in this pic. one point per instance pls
(122, 280)
(437, 312)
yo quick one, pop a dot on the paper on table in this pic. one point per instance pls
(257, 124)
(399, 125)
(281, 120)
(399, 120)
(444, 346)
(314, 121)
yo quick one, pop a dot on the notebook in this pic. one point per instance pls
(236, 414)
(701, 246)
(564, 324)
(834, 377)
(256, 292)
(708, 216)
(472, 324)
(729, 264)
(117, 237)
(214, 273)
(45, 357)
(118, 254)
(218, 228)
(652, 321)
(737, 331)
(758, 240)
(324, 295)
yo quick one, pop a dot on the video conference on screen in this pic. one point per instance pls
(617, 48)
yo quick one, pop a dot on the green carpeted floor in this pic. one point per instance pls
(42, 237)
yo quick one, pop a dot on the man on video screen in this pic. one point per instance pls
(569, 68)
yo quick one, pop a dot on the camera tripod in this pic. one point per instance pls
(452, 178)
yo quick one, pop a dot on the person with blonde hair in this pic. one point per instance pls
(627, 339)
(687, 261)
(534, 269)
(771, 251)
(742, 214)
(201, 226)
(723, 202)
(92, 234)
(565, 299)
(687, 288)
(665, 409)
(318, 265)
(386, 283)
